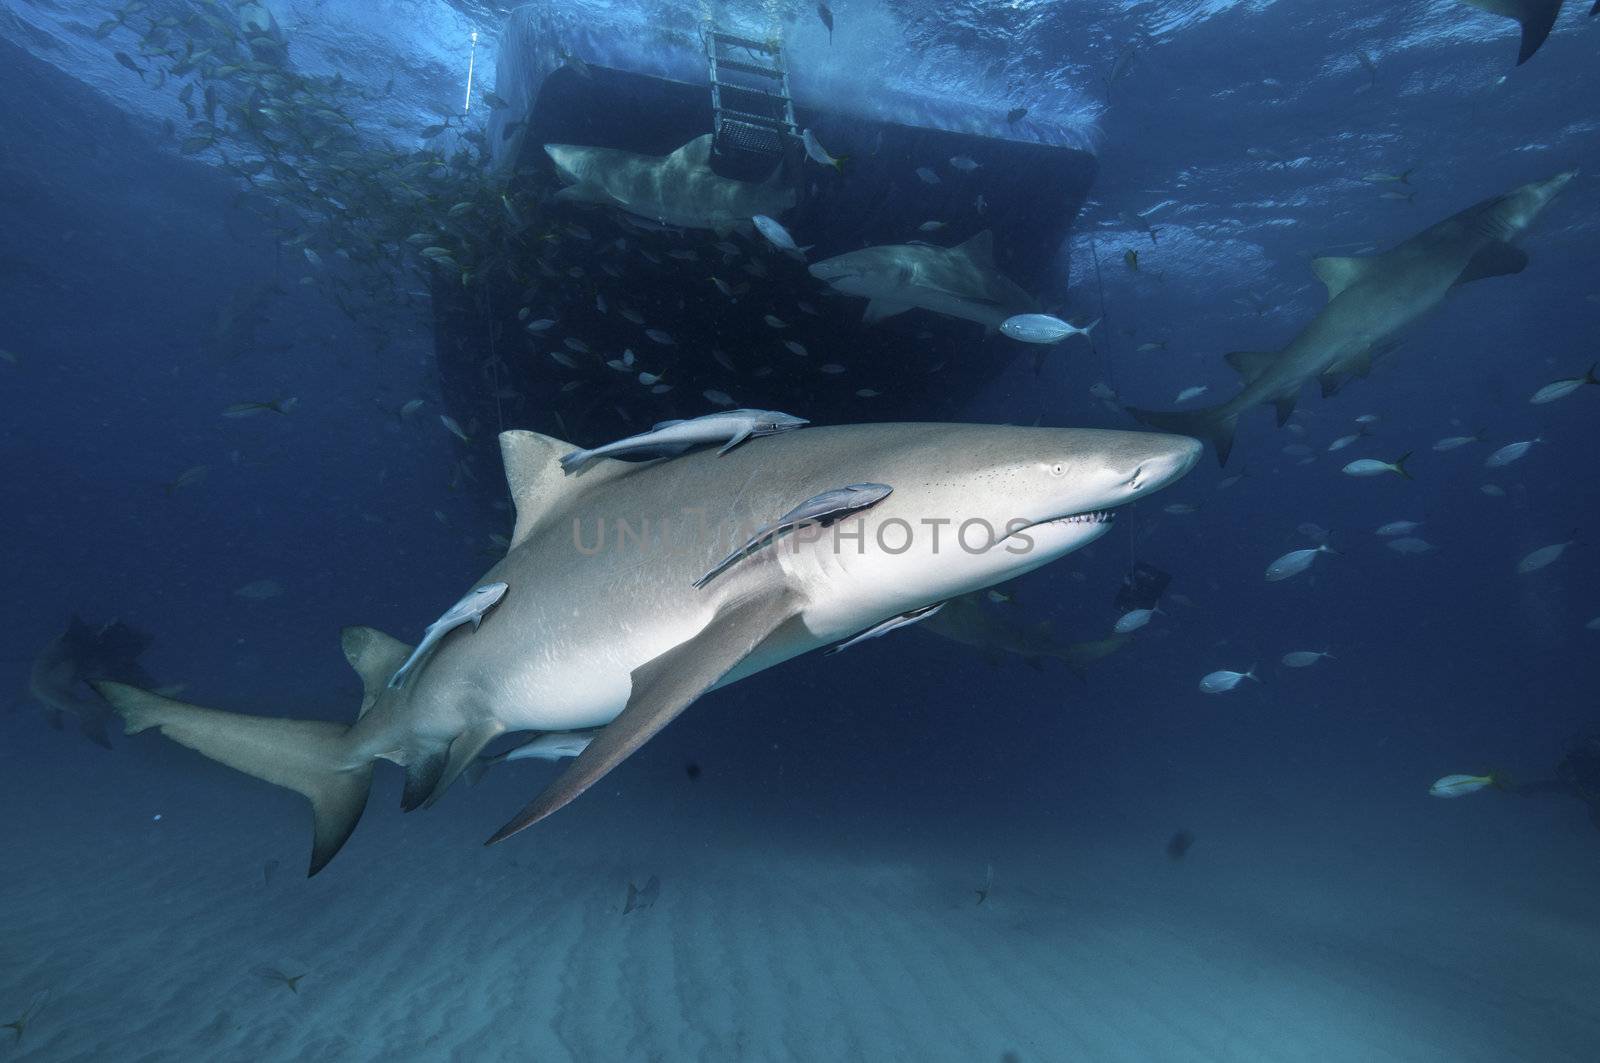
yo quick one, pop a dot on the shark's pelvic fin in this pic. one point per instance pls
(374, 656)
(464, 752)
(1495, 260)
(1339, 273)
(1536, 17)
(1211, 424)
(306, 756)
(663, 688)
(1331, 383)
(1250, 364)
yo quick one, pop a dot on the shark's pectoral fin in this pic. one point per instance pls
(878, 309)
(662, 689)
(1495, 260)
(1250, 364)
(1339, 273)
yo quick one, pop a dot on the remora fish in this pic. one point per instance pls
(960, 281)
(555, 745)
(1370, 301)
(671, 438)
(678, 189)
(894, 623)
(83, 653)
(470, 609)
(593, 637)
(820, 510)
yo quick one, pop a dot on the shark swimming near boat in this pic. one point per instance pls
(83, 653)
(1370, 301)
(679, 190)
(959, 281)
(611, 635)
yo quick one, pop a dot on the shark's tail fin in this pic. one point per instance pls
(310, 757)
(1211, 424)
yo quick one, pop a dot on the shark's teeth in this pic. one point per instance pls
(1096, 516)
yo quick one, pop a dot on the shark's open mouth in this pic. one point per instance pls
(1094, 516)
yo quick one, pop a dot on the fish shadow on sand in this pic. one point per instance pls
(19, 1026)
(272, 974)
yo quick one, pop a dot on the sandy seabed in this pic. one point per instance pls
(771, 938)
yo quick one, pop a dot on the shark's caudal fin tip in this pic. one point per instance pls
(1202, 424)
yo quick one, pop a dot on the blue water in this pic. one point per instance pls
(817, 866)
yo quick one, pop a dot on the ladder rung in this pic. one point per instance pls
(760, 94)
(758, 119)
(749, 68)
(742, 42)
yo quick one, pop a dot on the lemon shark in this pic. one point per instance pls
(678, 190)
(1370, 301)
(959, 281)
(595, 632)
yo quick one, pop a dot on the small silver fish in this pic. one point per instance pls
(778, 236)
(1222, 680)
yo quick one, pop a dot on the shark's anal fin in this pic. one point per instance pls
(375, 657)
(878, 309)
(1495, 260)
(663, 688)
(1339, 273)
(1285, 406)
(464, 752)
(1250, 364)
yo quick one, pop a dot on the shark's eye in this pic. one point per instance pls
(1058, 469)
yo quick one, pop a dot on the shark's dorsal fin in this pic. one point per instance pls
(536, 480)
(1495, 260)
(1250, 364)
(695, 153)
(1339, 273)
(375, 657)
(979, 248)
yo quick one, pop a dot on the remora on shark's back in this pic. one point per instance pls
(1370, 300)
(646, 644)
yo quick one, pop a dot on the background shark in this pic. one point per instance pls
(83, 653)
(959, 281)
(1370, 300)
(993, 633)
(678, 189)
(645, 643)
